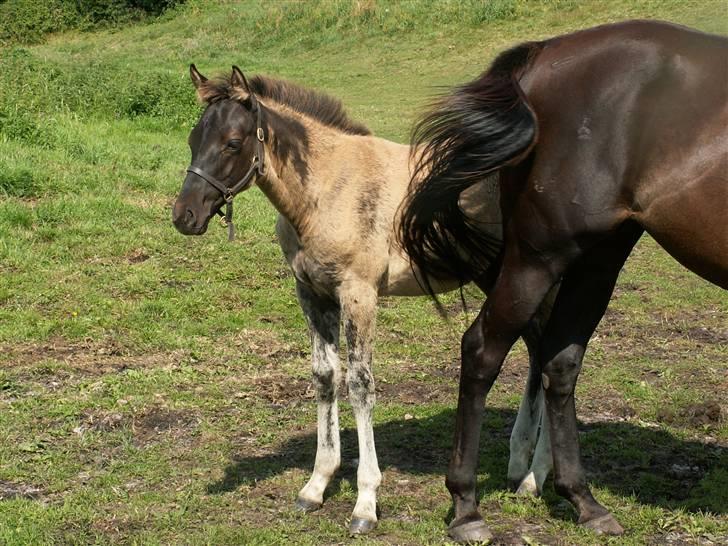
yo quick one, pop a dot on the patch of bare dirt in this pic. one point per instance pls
(156, 423)
(695, 415)
(449, 372)
(415, 392)
(266, 345)
(12, 490)
(698, 323)
(514, 372)
(282, 390)
(604, 404)
(136, 256)
(149, 425)
(524, 534)
(707, 335)
(100, 421)
(660, 340)
(89, 357)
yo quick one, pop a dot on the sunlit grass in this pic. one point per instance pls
(140, 368)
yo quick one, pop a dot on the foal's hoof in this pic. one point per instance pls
(361, 526)
(470, 532)
(528, 486)
(604, 525)
(307, 506)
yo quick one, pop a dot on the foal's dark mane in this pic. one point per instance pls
(320, 106)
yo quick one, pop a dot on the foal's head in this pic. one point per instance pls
(226, 146)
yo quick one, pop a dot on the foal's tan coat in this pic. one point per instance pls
(336, 229)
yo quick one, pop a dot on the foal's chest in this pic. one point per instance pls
(318, 268)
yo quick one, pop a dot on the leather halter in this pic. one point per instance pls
(256, 166)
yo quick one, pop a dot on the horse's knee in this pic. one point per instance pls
(561, 371)
(360, 382)
(325, 381)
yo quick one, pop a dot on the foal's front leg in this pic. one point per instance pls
(359, 305)
(323, 316)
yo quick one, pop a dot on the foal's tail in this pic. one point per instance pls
(478, 128)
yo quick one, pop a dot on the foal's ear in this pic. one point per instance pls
(197, 78)
(238, 80)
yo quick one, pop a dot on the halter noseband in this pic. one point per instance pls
(257, 166)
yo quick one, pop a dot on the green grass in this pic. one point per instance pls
(154, 388)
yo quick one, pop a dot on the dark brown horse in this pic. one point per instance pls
(599, 136)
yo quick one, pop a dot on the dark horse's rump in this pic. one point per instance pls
(598, 136)
(641, 98)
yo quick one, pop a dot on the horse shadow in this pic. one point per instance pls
(654, 466)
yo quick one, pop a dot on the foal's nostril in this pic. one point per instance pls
(190, 216)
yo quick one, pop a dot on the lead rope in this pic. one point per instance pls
(229, 221)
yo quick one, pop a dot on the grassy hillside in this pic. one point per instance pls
(153, 388)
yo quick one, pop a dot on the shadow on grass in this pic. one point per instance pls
(653, 465)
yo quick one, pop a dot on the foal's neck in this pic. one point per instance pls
(291, 148)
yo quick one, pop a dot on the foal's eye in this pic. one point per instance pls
(233, 144)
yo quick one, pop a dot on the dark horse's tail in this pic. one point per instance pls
(478, 128)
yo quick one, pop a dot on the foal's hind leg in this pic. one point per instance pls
(530, 441)
(530, 432)
(323, 317)
(582, 300)
(359, 306)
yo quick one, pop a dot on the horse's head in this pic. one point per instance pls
(227, 151)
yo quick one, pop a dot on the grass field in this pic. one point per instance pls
(154, 388)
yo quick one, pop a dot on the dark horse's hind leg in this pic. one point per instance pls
(522, 284)
(583, 297)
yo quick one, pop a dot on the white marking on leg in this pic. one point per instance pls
(528, 431)
(359, 307)
(528, 486)
(542, 462)
(362, 398)
(525, 431)
(324, 329)
(328, 447)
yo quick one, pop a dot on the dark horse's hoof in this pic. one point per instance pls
(306, 505)
(470, 532)
(604, 525)
(361, 526)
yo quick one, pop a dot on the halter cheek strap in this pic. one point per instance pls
(257, 166)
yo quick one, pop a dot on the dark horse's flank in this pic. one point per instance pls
(598, 135)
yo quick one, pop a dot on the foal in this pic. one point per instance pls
(337, 189)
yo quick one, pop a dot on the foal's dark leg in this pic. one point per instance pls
(583, 297)
(522, 285)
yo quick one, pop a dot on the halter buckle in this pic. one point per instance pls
(259, 133)
(229, 196)
(223, 221)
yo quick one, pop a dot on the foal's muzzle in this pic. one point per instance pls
(187, 220)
